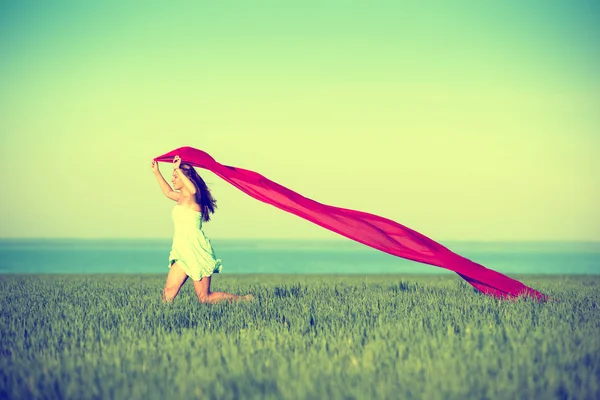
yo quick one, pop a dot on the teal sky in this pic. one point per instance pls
(462, 120)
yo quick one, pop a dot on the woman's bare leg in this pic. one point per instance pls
(175, 280)
(204, 294)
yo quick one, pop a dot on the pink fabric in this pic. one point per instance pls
(372, 230)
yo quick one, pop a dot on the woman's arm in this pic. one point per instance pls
(189, 185)
(164, 186)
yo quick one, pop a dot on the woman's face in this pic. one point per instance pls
(176, 181)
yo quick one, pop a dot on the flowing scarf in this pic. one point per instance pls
(369, 229)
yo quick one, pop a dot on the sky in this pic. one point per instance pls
(474, 121)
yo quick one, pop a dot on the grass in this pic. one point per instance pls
(334, 337)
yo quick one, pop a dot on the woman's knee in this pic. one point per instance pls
(203, 296)
(170, 292)
(202, 288)
(171, 289)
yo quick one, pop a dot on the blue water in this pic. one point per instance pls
(287, 256)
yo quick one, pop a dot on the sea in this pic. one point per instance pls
(262, 256)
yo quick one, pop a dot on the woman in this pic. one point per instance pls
(192, 254)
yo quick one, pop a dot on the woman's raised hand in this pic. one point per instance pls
(154, 166)
(176, 162)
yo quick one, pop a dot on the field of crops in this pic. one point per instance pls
(334, 337)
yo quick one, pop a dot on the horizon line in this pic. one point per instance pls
(341, 239)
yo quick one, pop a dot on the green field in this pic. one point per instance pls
(319, 337)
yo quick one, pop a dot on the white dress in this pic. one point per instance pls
(191, 248)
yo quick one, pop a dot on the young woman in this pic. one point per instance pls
(192, 254)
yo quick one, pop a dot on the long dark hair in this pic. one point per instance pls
(203, 196)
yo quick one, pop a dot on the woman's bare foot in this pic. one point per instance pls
(248, 297)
